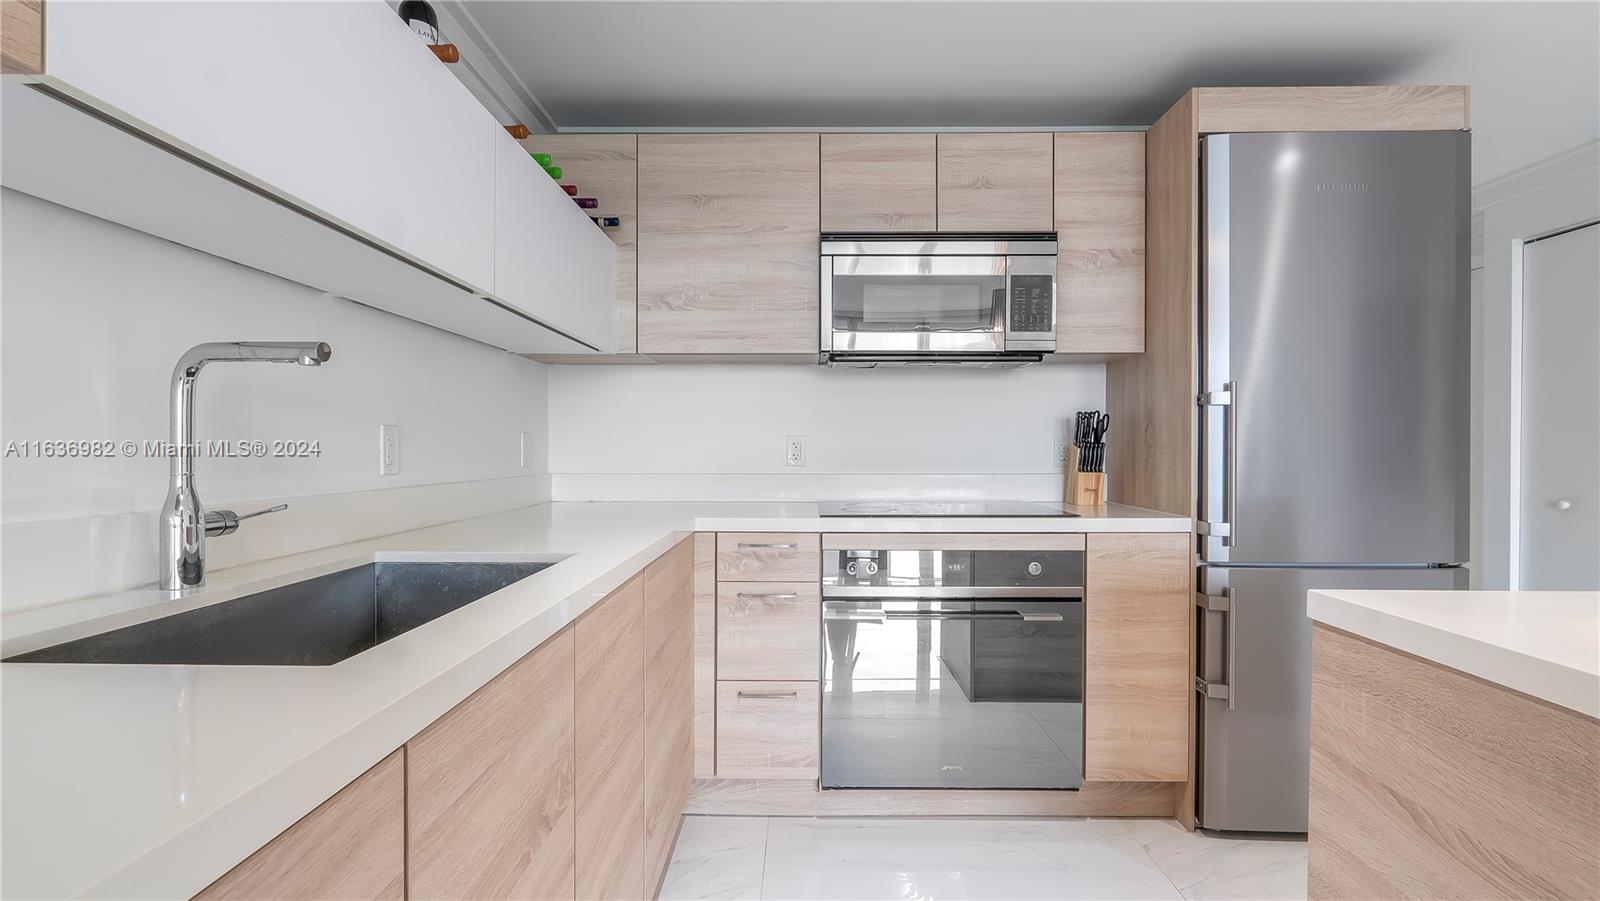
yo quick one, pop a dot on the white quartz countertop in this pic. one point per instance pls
(1542, 643)
(151, 781)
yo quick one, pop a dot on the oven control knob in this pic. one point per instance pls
(1034, 568)
(867, 567)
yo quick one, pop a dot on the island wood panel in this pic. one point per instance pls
(609, 664)
(1358, 108)
(1430, 783)
(800, 797)
(769, 630)
(705, 654)
(21, 37)
(1099, 221)
(880, 183)
(768, 730)
(728, 230)
(768, 557)
(668, 701)
(489, 806)
(1137, 678)
(350, 846)
(995, 182)
(606, 167)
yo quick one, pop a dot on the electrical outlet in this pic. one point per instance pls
(388, 450)
(794, 450)
(522, 448)
(1060, 450)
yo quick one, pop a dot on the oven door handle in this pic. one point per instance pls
(880, 617)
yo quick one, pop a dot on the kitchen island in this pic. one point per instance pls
(146, 781)
(1455, 744)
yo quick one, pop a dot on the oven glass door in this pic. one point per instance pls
(952, 694)
(918, 303)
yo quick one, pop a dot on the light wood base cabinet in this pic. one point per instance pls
(352, 846)
(489, 803)
(768, 730)
(668, 702)
(610, 744)
(769, 630)
(1429, 783)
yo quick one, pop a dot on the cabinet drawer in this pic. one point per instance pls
(768, 630)
(768, 557)
(767, 730)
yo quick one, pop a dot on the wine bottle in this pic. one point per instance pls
(419, 15)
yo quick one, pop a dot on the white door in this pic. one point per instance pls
(1560, 515)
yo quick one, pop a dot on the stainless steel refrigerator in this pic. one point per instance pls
(1333, 412)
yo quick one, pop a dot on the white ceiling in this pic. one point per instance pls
(1534, 67)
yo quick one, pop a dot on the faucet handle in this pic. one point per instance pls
(226, 522)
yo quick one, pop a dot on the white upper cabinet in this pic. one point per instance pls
(551, 262)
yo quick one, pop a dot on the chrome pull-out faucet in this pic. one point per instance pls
(184, 523)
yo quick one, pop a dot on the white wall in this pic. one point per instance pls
(95, 316)
(716, 431)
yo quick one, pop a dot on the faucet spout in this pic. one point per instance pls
(183, 519)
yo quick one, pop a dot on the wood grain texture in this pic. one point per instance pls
(768, 737)
(609, 662)
(489, 804)
(1137, 678)
(606, 167)
(1099, 222)
(752, 557)
(1150, 397)
(761, 634)
(668, 701)
(793, 797)
(1363, 108)
(880, 183)
(351, 846)
(705, 655)
(953, 541)
(728, 229)
(22, 37)
(1429, 783)
(995, 182)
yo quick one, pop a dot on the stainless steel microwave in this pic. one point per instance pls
(949, 299)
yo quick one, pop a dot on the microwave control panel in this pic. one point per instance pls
(1032, 308)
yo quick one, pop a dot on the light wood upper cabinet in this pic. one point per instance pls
(879, 183)
(1099, 220)
(352, 846)
(610, 674)
(995, 182)
(489, 802)
(668, 702)
(1137, 680)
(728, 229)
(606, 167)
(22, 36)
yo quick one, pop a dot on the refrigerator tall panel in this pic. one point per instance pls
(1333, 421)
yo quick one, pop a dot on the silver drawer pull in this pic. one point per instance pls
(769, 694)
(778, 596)
(770, 545)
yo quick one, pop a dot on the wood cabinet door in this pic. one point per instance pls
(351, 846)
(606, 168)
(1099, 220)
(995, 182)
(1138, 589)
(768, 730)
(609, 652)
(769, 630)
(490, 807)
(668, 702)
(879, 183)
(728, 229)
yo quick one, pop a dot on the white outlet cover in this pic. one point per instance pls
(794, 450)
(388, 450)
(522, 448)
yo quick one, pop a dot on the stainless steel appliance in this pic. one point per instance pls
(1333, 414)
(976, 509)
(952, 668)
(938, 300)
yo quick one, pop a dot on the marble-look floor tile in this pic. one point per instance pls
(1207, 866)
(957, 858)
(717, 857)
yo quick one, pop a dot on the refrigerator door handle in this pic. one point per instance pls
(1223, 605)
(1228, 400)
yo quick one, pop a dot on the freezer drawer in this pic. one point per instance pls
(1255, 647)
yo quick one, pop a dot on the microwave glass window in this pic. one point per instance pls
(927, 303)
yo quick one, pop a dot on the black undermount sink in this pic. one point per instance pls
(317, 622)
